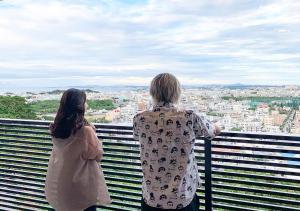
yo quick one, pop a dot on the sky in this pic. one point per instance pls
(127, 42)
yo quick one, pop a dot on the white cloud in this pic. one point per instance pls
(132, 42)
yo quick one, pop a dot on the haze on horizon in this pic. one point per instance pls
(62, 43)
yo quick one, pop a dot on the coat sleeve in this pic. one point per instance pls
(93, 146)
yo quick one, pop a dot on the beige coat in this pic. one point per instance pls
(75, 180)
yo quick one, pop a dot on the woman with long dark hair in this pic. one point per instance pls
(75, 181)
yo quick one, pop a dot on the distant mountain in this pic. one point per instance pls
(231, 86)
(97, 88)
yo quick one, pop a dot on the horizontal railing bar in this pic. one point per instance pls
(26, 157)
(256, 197)
(26, 191)
(232, 207)
(109, 161)
(26, 142)
(260, 136)
(15, 206)
(25, 137)
(129, 151)
(128, 195)
(29, 173)
(253, 141)
(255, 155)
(114, 208)
(116, 138)
(256, 183)
(41, 172)
(23, 162)
(22, 177)
(23, 182)
(122, 144)
(43, 154)
(255, 148)
(123, 180)
(108, 126)
(41, 127)
(122, 174)
(22, 201)
(254, 190)
(25, 121)
(25, 147)
(123, 204)
(118, 132)
(107, 154)
(251, 162)
(273, 171)
(253, 204)
(24, 131)
(129, 169)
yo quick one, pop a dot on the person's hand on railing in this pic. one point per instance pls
(217, 129)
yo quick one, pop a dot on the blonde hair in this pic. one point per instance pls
(165, 88)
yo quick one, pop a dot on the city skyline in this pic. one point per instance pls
(65, 43)
(246, 109)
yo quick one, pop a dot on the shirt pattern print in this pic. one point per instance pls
(167, 140)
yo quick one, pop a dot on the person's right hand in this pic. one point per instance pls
(217, 129)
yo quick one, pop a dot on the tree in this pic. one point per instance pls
(15, 107)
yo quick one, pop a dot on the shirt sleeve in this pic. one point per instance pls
(203, 127)
(94, 148)
(135, 128)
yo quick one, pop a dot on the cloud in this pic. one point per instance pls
(128, 42)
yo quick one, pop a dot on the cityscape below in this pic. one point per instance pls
(245, 108)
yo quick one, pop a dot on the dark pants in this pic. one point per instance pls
(193, 206)
(92, 208)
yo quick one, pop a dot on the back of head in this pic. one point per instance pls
(165, 88)
(70, 115)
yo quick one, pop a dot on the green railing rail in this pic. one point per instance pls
(239, 171)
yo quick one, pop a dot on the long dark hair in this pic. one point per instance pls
(70, 115)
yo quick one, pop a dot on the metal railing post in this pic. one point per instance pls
(208, 177)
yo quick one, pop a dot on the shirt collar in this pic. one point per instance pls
(163, 104)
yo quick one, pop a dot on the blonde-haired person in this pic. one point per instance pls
(167, 138)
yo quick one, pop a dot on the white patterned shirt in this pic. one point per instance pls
(167, 140)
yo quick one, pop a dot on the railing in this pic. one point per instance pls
(239, 171)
